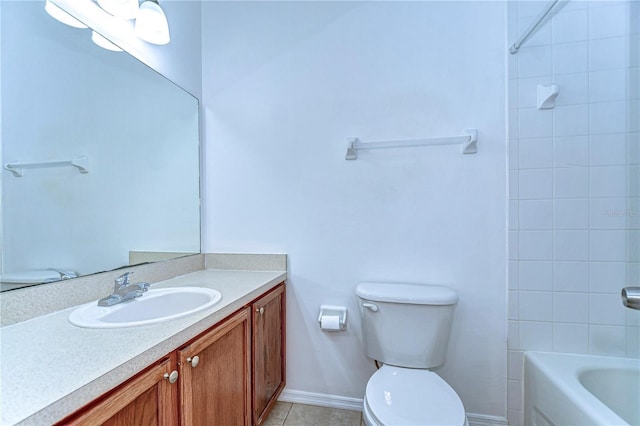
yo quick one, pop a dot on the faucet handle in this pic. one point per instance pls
(122, 280)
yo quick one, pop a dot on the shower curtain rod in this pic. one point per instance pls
(516, 46)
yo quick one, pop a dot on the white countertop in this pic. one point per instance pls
(50, 368)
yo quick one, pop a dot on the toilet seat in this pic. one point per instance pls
(406, 396)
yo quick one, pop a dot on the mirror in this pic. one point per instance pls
(100, 155)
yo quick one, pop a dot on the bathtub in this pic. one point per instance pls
(569, 389)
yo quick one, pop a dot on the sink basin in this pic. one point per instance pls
(152, 307)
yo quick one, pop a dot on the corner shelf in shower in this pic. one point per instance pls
(81, 163)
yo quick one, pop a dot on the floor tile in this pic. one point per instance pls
(278, 414)
(310, 415)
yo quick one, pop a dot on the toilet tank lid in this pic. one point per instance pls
(417, 294)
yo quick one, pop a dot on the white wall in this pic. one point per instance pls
(574, 182)
(283, 85)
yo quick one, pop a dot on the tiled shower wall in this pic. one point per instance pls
(574, 184)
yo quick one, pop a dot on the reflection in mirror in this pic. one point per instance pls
(100, 155)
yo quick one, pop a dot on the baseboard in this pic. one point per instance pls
(484, 420)
(355, 404)
(321, 399)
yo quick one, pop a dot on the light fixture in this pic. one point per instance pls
(103, 42)
(151, 23)
(125, 9)
(60, 15)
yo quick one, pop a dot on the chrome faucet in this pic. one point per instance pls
(123, 290)
(631, 297)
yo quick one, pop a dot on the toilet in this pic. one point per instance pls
(406, 328)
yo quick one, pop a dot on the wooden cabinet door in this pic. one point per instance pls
(215, 386)
(148, 399)
(268, 351)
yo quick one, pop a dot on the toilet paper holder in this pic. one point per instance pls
(332, 318)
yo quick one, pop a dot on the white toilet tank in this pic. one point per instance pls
(406, 325)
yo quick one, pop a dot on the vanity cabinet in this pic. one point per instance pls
(215, 375)
(268, 325)
(230, 375)
(147, 399)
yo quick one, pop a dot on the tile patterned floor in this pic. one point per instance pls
(288, 414)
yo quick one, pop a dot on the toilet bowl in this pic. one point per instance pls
(405, 396)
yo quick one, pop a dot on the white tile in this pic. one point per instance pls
(572, 88)
(633, 246)
(610, 245)
(513, 154)
(608, 213)
(535, 61)
(571, 214)
(540, 37)
(513, 308)
(570, 26)
(535, 184)
(608, 21)
(633, 111)
(571, 307)
(571, 245)
(607, 277)
(608, 85)
(571, 338)
(634, 60)
(571, 151)
(608, 117)
(513, 275)
(514, 125)
(513, 334)
(513, 93)
(536, 275)
(513, 214)
(535, 306)
(571, 58)
(528, 90)
(535, 153)
(529, 8)
(514, 183)
(633, 342)
(536, 336)
(608, 149)
(606, 309)
(633, 211)
(536, 214)
(515, 361)
(515, 417)
(571, 182)
(633, 149)
(535, 123)
(634, 82)
(608, 181)
(633, 317)
(571, 120)
(514, 237)
(608, 53)
(514, 394)
(607, 340)
(571, 276)
(535, 245)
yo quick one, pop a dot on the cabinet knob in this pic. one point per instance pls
(173, 377)
(260, 310)
(193, 361)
